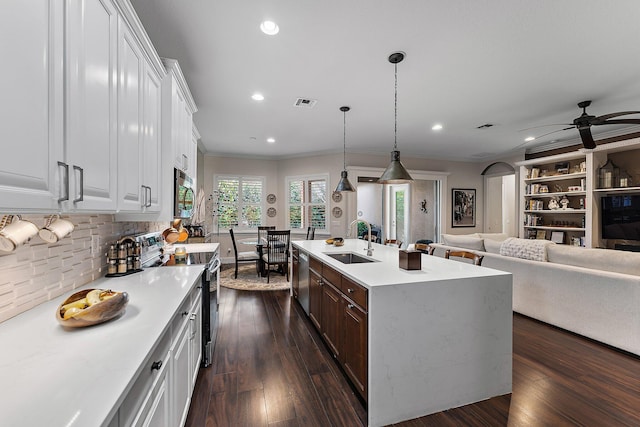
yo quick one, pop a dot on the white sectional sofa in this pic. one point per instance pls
(592, 292)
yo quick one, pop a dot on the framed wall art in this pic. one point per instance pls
(463, 211)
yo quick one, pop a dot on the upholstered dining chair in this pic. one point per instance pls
(423, 247)
(249, 256)
(311, 232)
(277, 251)
(393, 242)
(477, 259)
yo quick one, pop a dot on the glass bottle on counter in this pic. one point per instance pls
(122, 265)
(122, 251)
(112, 266)
(112, 253)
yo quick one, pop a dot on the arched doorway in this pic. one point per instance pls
(500, 201)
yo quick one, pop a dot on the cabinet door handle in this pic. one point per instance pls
(81, 195)
(155, 366)
(350, 305)
(350, 290)
(66, 182)
(144, 195)
(185, 162)
(149, 199)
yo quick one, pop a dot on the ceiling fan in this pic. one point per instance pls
(585, 121)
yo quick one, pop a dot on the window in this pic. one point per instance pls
(307, 202)
(240, 201)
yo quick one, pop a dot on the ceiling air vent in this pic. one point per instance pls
(305, 103)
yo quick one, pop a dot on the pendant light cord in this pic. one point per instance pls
(344, 141)
(395, 110)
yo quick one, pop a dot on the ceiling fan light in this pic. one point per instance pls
(395, 172)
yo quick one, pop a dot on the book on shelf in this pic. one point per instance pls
(535, 205)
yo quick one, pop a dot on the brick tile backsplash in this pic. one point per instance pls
(38, 272)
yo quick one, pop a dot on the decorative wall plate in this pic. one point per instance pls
(337, 196)
(271, 199)
(271, 212)
(337, 212)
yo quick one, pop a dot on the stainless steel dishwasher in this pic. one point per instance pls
(303, 281)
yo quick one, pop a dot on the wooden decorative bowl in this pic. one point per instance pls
(113, 305)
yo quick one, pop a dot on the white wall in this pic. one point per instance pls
(462, 175)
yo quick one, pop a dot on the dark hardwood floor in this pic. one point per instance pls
(271, 369)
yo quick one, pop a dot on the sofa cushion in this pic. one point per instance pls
(597, 259)
(492, 246)
(531, 249)
(500, 237)
(464, 241)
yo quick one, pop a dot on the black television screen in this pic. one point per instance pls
(621, 217)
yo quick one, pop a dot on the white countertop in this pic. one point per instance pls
(386, 270)
(192, 248)
(58, 377)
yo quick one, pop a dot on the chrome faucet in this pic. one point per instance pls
(369, 249)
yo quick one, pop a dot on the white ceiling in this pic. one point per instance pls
(512, 63)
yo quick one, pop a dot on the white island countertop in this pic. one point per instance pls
(438, 338)
(63, 377)
(385, 270)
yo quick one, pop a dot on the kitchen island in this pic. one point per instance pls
(55, 376)
(437, 338)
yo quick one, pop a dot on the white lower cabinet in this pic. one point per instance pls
(195, 341)
(181, 385)
(186, 353)
(150, 388)
(161, 394)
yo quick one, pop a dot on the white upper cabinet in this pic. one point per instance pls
(152, 144)
(139, 118)
(91, 115)
(178, 119)
(130, 123)
(81, 110)
(31, 84)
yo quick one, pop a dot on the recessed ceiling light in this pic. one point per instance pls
(270, 28)
(271, 140)
(437, 126)
(529, 138)
(257, 97)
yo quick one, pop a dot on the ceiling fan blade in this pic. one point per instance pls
(559, 130)
(618, 122)
(609, 116)
(544, 126)
(587, 138)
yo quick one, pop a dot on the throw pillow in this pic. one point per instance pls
(531, 249)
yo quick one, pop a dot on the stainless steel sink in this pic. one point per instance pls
(349, 258)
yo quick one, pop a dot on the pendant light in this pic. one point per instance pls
(344, 184)
(395, 172)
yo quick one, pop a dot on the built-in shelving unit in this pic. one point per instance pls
(572, 180)
(554, 193)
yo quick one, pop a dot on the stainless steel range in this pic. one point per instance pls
(155, 252)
